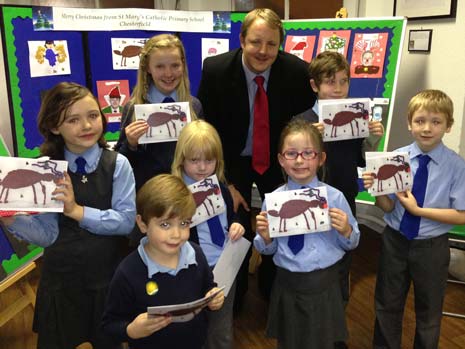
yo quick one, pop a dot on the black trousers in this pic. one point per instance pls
(265, 183)
(423, 262)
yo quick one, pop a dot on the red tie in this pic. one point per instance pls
(261, 129)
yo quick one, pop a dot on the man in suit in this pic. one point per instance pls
(227, 92)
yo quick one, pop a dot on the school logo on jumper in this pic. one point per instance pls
(151, 288)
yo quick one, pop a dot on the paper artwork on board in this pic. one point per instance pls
(297, 211)
(369, 51)
(125, 52)
(42, 18)
(391, 172)
(112, 96)
(165, 120)
(344, 118)
(49, 58)
(208, 198)
(300, 46)
(213, 46)
(334, 40)
(27, 184)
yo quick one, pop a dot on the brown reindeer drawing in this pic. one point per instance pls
(200, 197)
(294, 208)
(391, 170)
(22, 178)
(163, 118)
(128, 52)
(345, 117)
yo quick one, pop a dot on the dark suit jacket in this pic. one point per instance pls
(224, 97)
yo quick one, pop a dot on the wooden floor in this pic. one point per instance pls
(250, 323)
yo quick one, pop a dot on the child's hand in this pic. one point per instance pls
(367, 178)
(409, 202)
(320, 127)
(217, 301)
(236, 230)
(376, 128)
(340, 221)
(263, 227)
(134, 131)
(64, 192)
(144, 325)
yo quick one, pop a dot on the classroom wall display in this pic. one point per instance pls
(91, 55)
(100, 55)
(373, 48)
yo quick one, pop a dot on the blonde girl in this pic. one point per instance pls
(198, 155)
(162, 77)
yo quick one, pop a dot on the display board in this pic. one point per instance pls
(89, 56)
(372, 46)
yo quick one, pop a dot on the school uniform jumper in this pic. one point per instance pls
(306, 309)
(423, 260)
(128, 297)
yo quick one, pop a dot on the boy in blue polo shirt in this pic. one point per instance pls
(415, 245)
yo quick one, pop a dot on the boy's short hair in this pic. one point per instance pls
(326, 65)
(434, 101)
(165, 195)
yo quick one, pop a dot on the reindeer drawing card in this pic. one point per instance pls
(165, 120)
(391, 172)
(125, 52)
(208, 198)
(296, 212)
(27, 184)
(344, 118)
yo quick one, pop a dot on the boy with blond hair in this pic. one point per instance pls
(415, 246)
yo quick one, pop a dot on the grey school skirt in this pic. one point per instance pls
(306, 309)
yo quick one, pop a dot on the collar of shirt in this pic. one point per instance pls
(188, 180)
(186, 258)
(434, 154)
(315, 107)
(291, 185)
(155, 96)
(91, 155)
(250, 75)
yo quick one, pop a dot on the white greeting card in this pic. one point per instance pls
(27, 184)
(296, 212)
(208, 198)
(344, 118)
(391, 172)
(165, 120)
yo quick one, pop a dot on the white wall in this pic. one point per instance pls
(441, 69)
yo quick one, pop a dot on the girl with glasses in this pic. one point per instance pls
(306, 308)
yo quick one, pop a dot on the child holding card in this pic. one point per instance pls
(198, 156)
(83, 245)
(415, 245)
(162, 77)
(307, 269)
(164, 270)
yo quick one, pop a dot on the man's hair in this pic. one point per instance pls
(269, 16)
(326, 65)
(165, 196)
(434, 101)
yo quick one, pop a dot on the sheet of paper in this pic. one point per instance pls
(208, 198)
(230, 261)
(183, 312)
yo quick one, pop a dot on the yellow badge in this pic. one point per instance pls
(151, 287)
